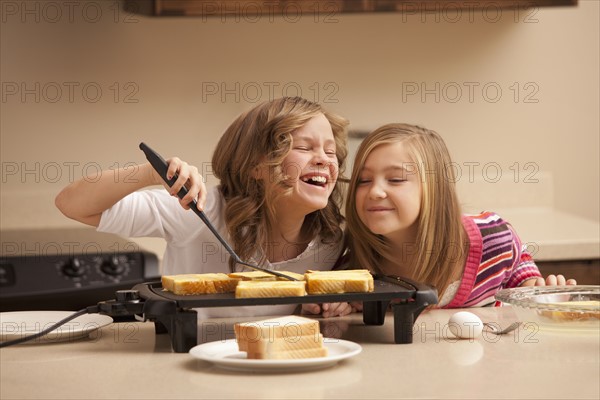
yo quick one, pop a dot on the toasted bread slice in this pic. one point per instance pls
(191, 284)
(280, 338)
(252, 276)
(289, 328)
(299, 277)
(264, 276)
(343, 281)
(246, 289)
(289, 342)
(291, 354)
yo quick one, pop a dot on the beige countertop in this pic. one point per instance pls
(553, 235)
(127, 360)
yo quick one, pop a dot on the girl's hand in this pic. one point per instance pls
(189, 177)
(554, 280)
(357, 306)
(551, 280)
(327, 310)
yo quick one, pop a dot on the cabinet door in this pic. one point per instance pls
(585, 272)
(275, 8)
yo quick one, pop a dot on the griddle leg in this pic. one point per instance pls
(374, 312)
(159, 328)
(182, 328)
(405, 315)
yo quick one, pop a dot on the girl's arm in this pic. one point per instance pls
(85, 199)
(526, 266)
(327, 310)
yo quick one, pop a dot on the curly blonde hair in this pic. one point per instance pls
(263, 136)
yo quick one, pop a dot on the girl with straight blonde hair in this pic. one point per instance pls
(278, 201)
(404, 218)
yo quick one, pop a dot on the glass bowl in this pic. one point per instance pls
(572, 308)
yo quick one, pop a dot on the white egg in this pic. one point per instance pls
(465, 325)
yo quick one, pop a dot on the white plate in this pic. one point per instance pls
(17, 324)
(225, 354)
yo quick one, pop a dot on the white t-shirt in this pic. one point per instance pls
(192, 247)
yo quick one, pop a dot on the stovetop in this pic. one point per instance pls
(59, 269)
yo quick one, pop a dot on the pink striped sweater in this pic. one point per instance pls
(497, 259)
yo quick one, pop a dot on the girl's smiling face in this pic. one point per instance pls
(388, 194)
(311, 166)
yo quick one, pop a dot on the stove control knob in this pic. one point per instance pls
(114, 265)
(74, 268)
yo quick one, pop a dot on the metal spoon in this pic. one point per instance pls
(495, 328)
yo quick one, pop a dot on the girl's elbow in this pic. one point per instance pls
(61, 201)
(67, 207)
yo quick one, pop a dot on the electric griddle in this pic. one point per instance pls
(175, 314)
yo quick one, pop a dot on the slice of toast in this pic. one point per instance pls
(264, 276)
(247, 289)
(191, 284)
(290, 326)
(291, 354)
(290, 341)
(280, 338)
(343, 281)
(252, 276)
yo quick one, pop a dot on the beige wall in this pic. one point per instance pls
(362, 65)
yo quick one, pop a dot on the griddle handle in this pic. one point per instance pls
(422, 293)
(161, 167)
(425, 293)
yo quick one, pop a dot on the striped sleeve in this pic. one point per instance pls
(524, 267)
(501, 261)
(497, 259)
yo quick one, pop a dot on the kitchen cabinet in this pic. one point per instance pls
(289, 8)
(585, 272)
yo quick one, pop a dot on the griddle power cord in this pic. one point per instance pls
(87, 310)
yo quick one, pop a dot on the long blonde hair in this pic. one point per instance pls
(263, 136)
(441, 239)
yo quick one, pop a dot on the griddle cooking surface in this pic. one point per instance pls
(382, 291)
